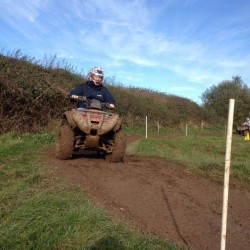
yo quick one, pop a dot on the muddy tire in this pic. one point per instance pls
(65, 142)
(118, 153)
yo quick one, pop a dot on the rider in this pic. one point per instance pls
(247, 123)
(93, 89)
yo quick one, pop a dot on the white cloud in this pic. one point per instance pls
(234, 63)
(28, 9)
(182, 40)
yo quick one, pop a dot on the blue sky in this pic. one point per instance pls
(179, 47)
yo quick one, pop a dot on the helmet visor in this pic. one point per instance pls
(99, 75)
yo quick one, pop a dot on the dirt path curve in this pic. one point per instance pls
(161, 198)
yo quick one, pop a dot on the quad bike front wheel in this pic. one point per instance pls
(118, 153)
(65, 142)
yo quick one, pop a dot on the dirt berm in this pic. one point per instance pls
(161, 198)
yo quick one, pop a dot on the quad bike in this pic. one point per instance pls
(91, 129)
(242, 130)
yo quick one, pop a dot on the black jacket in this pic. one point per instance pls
(92, 91)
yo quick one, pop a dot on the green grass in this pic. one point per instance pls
(204, 154)
(40, 212)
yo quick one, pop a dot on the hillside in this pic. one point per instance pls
(33, 94)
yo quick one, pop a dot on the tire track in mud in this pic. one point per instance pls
(161, 198)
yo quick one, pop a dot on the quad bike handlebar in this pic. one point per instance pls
(78, 98)
(88, 100)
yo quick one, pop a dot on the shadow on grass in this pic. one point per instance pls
(108, 243)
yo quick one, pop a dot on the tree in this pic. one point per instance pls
(216, 99)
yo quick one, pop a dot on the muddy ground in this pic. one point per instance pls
(161, 198)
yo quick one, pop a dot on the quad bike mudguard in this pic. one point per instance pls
(87, 120)
(98, 123)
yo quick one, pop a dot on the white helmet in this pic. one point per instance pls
(97, 71)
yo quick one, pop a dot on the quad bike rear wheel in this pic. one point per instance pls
(65, 142)
(118, 153)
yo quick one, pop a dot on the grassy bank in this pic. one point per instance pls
(200, 153)
(40, 212)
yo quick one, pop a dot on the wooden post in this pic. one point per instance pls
(227, 173)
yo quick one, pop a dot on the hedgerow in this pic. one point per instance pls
(33, 93)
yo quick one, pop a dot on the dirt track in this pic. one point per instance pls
(161, 198)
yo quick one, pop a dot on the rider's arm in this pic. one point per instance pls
(109, 99)
(77, 91)
(77, 95)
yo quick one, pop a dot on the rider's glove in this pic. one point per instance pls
(111, 106)
(74, 97)
(79, 98)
